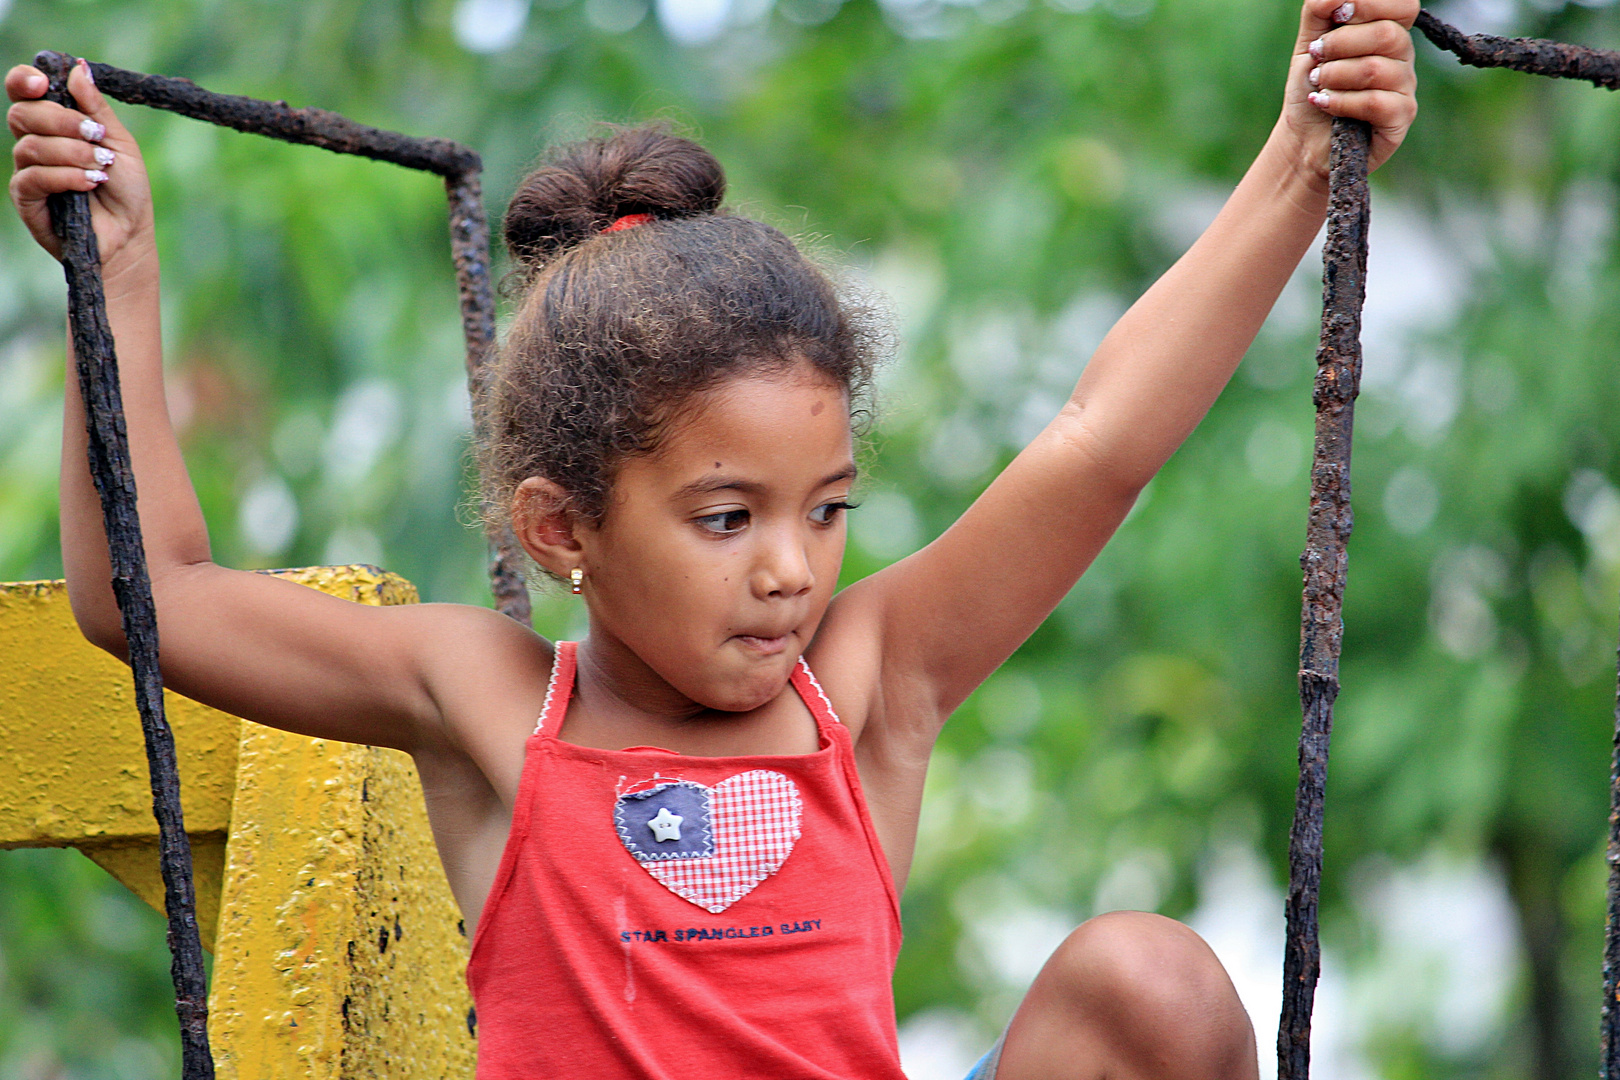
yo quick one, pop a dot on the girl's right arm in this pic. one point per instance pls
(254, 645)
(927, 630)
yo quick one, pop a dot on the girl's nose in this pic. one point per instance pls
(783, 568)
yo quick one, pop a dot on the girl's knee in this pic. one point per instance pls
(1153, 985)
(1138, 955)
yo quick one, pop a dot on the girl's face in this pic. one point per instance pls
(719, 553)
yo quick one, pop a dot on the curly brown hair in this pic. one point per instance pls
(615, 331)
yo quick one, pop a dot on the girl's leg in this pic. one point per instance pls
(1130, 996)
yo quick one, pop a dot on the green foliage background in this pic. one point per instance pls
(1011, 173)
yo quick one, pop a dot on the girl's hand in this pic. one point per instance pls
(61, 149)
(1354, 59)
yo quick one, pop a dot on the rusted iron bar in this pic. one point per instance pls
(1601, 68)
(278, 120)
(469, 229)
(1338, 380)
(1536, 56)
(469, 245)
(115, 483)
(1609, 1063)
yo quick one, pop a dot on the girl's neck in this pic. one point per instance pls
(612, 679)
(619, 702)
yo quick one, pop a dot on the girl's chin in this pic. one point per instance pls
(747, 692)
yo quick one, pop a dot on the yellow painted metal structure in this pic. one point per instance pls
(338, 950)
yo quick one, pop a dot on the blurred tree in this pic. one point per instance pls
(1010, 173)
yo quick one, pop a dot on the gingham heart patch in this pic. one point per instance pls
(711, 845)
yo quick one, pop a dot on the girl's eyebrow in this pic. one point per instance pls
(848, 472)
(722, 482)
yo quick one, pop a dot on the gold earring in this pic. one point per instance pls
(576, 578)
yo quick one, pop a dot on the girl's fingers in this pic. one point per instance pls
(1362, 73)
(23, 83)
(82, 85)
(1320, 16)
(1384, 38)
(1353, 59)
(77, 150)
(33, 185)
(51, 150)
(1388, 111)
(49, 118)
(93, 120)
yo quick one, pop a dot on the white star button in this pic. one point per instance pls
(666, 826)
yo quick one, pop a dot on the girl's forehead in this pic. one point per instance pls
(786, 424)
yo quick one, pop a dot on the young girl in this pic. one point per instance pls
(689, 865)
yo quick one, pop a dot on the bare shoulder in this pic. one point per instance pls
(483, 669)
(876, 701)
(456, 627)
(486, 676)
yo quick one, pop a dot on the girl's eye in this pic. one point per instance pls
(827, 513)
(724, 523)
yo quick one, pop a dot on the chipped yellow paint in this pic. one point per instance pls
(338, 951)
(74, 772)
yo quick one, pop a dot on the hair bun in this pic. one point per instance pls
(583, 187)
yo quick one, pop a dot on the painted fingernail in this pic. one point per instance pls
(36, 84)
(1344, 12)
(85, 64)
(91, 131)
(1320, 99)
(1314, 78)
(105, 157)
(1316, 48)
(95, 176)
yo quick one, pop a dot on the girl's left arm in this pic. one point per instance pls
(946, 617)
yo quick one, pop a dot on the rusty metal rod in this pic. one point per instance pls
(469, 246)
(1601, 68)
(115, 483)
(1534, 56)
(1327, 530)
(469, 230)
(278, 120)
(1609, 1058)
(1325, 559)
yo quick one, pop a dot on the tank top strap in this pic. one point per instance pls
(815, 698)
(559, 689)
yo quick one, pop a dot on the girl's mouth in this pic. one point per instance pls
(763, 646)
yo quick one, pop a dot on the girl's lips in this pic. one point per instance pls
(764, 646)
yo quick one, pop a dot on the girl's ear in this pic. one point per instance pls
(545, 527)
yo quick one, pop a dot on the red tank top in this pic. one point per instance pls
(663, 917)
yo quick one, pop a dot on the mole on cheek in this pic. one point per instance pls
(815, 410)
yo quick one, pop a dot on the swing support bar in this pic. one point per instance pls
(1327, 531)
(1609, 1026)
(113, 475)
(1325, 561)
(114, 480)
(1534, 56)
(460, 167)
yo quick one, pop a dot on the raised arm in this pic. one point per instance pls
(257, 646)
(948, 615)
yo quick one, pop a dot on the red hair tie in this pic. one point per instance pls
(629, 221)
